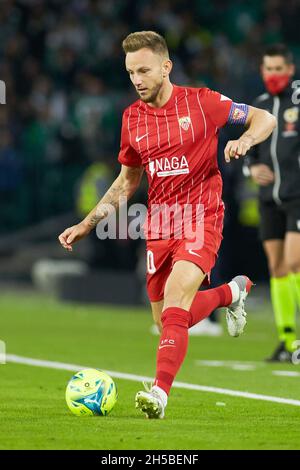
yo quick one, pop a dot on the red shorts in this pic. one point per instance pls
(162, 254)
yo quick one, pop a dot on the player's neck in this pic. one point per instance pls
(163, 96)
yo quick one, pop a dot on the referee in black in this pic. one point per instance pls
(275, 166)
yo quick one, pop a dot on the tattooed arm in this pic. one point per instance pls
(124, 186)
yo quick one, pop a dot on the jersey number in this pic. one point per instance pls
(151, 269)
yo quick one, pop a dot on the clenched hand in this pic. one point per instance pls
(72, 235)
(237, 148)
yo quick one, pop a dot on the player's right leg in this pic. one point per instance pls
(180, 289)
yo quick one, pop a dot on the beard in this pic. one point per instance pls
(149, 98)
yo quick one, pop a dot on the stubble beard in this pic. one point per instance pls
(154, 92)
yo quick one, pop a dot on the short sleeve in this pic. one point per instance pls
(222, 110)
(127, 154)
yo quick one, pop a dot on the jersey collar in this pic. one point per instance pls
(169, 104)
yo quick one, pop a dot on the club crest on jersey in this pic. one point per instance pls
(290, 115)
(185, 122)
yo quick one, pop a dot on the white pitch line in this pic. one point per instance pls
(286, 373)
(240, 366)
(220, 363)
(139, 378)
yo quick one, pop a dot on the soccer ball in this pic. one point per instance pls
(91, 392)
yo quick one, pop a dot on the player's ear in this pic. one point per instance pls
(167, 67)
(292, 70)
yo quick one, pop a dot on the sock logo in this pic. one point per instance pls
(167, 343)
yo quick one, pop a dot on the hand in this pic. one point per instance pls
(73, 234)
(262, 174)
(237, 148)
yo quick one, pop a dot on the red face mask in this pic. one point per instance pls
(275, 84)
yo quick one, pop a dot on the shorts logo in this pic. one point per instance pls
(191, 252)
(298, 224)
(169, 166)
(185, 122)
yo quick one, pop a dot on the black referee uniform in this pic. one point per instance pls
(279, 202)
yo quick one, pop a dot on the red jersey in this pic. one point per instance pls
(177, 146)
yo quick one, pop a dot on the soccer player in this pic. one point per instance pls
(275, 167)
(171, 132)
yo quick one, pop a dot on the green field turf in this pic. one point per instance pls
(34, 414)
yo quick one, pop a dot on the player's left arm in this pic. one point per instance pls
(259, 124)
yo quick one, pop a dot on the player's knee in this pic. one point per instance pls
(175, 316)
(278, 269)
(175, 292)
(174, 299)
(293, 266)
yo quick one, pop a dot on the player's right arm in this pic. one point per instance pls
(124, 185)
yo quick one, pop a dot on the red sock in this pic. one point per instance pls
(206, 301)
(172, 346)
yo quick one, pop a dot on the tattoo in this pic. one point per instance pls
(120, 189)
(94, 220)
(113, 195)
(109, 201)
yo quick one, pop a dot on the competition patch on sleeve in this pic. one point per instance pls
(238, 113)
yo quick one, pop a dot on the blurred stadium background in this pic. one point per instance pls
(66, 88)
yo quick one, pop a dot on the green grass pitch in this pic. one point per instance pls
(34, 414)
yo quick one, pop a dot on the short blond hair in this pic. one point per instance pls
(149, 39)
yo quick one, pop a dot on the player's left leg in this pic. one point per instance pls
(231, 295)
(205, 302)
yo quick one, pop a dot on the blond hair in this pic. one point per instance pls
(149, 39)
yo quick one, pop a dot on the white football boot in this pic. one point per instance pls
(235, 313)
(151, 402)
